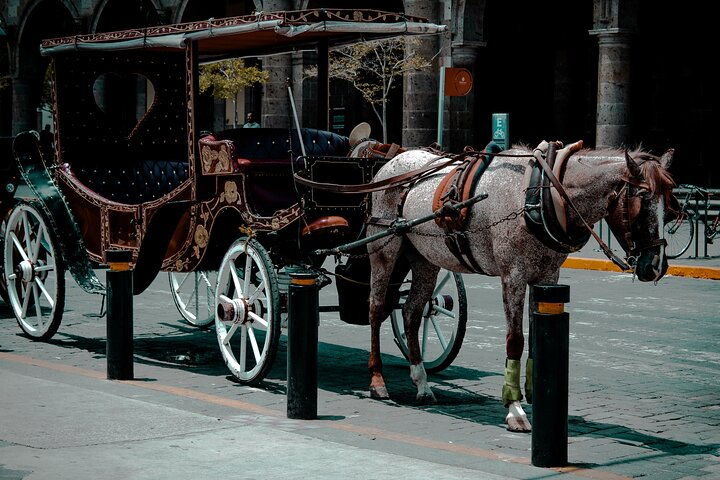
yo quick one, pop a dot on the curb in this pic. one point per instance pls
(706, 273)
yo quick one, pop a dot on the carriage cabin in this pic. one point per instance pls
(133, 164)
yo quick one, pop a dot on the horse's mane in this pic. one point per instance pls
(658, 179)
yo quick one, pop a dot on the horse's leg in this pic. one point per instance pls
(513, 299)
(424, 275)
(551, 279)
(382, 263)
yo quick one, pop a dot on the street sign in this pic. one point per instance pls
(458, 82)
(501, 129)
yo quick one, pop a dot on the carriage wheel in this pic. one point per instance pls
(247, 320)
(443, 324)
(194, 295)
(3, 228)
(34, 272)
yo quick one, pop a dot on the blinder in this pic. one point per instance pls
(624, 209)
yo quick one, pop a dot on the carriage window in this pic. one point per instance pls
(124, 98)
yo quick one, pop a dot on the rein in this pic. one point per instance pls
(397, 180)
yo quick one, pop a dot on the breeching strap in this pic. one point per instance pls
(622, 264)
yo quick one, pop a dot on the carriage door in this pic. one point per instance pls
(122, 227)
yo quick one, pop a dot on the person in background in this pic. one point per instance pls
(250, 121)
(46, 142)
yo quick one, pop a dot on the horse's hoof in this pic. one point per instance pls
(379, 393)
(426, 398)
(516, 419)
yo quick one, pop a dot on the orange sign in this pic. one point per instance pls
(458, 82)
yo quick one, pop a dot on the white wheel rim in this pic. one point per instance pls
(31, 270)
(439, 324)
(245, 345)
(194, 295)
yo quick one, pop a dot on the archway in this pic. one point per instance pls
(115, 15)
(46, 19)
(543, 77)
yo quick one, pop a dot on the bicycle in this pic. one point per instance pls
(680, 230)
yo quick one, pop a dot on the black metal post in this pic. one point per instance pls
(303, 319)
(550, 340)
(119, 348)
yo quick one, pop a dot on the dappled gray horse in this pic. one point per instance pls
(629, 190)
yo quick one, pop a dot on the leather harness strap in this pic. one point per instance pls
(390, 182)
(561, 190)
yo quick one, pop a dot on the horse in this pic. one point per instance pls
(630, 190)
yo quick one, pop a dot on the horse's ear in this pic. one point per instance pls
(667, 158)
(632, 166)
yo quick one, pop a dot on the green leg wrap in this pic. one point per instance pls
(529, 380)
(511, 388)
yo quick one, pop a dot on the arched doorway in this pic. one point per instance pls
(125, 14)
(46, 19)
(543, 77)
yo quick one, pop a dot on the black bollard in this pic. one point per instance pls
(550, 342)
(302, 334)
(119, 315)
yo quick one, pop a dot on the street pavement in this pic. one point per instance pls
(644, 395)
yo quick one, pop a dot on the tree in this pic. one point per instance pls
(372, 68)
(228, 77)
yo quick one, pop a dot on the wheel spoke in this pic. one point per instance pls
(441, 284)
(257, 318)
(19, 246)
(45, 293)
(38, 307)
(243, 348)
(248, 274)
(440, 335)
(228, 336)
(254, 344)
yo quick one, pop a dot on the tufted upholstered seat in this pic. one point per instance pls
(143, 181)
(266, 155)
(255, 148)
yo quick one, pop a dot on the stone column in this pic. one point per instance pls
(420, 89)
(613, 91)
(276, 111)
(460, 115)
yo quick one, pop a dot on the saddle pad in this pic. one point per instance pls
(459, 185)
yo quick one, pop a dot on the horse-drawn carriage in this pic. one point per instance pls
(220, 211)
(233, 212)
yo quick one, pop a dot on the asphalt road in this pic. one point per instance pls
(644, 388)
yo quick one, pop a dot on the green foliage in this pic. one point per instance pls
(372, 68)
(227, 78)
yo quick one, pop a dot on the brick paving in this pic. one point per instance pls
(644, 385)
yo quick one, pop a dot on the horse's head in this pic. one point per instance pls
(636, 213)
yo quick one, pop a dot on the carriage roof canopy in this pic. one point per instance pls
(259, 34)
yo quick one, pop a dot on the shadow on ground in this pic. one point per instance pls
(343, 370)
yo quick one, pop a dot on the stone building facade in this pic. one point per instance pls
(618, 73)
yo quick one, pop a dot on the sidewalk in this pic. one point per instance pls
(591, 257)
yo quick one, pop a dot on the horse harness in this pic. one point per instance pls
(459, 186)
(622, 209)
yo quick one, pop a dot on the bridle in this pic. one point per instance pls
(622, 211)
